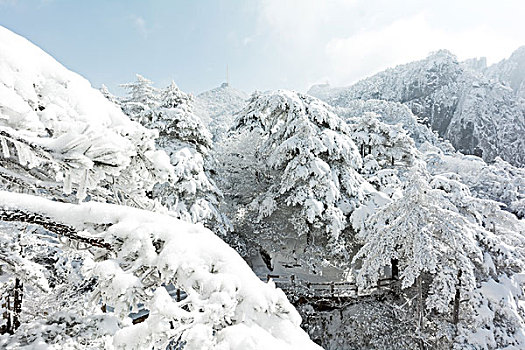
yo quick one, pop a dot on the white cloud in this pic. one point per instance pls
(140, 25)
(344, 40)
(409, 39)
(298, 22)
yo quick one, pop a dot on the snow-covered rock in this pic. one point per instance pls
(511, 72)
(476, 114)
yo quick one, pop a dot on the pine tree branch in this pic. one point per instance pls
(16, 215)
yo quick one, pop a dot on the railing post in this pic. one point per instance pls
(395, 269)
(178, 294)
(332, 288)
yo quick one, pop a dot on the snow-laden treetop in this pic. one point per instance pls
(38, 93)
(51, 116)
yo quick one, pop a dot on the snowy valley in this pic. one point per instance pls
(384, 215)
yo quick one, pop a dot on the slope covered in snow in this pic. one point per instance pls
(511, 72)
(476, 114)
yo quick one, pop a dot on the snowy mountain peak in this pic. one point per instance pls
(478, 115)
(519, 52)
(442, 57)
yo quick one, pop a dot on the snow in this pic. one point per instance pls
(308, 185)
(217, 108)
(510, 72)
(308, 153)
(498, 181)
(238, 310)
(27, 71)
(190, 192)
(55, 113)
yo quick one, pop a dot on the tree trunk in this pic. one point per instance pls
(309, 235)
(17, 303)
(7, 328)
(457, 300)
(420, 310)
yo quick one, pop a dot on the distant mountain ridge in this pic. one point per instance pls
(479, 110)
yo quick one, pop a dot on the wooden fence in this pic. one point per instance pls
(333, 289)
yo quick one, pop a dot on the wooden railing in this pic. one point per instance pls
(325, 289)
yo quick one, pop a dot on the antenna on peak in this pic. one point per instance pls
(227, 83)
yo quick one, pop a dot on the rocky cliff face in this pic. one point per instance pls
(479, 115)
(511, 72)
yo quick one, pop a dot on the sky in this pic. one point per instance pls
(266, 44)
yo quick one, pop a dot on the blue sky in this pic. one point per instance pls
(267, 44)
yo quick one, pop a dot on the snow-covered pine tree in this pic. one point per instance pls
(188, 142)
(176, 122)
(412, 231)
(141, 101)
(387, 151)
(190, 194)
(493, 317)
(108, 95)
(436, 237)
(406, 235)
(388, 145)
(308, 166)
